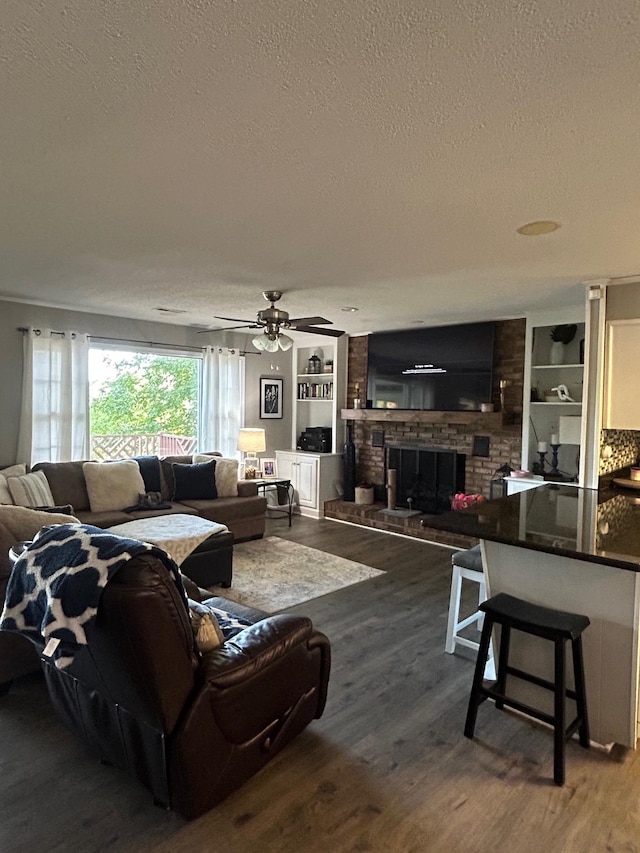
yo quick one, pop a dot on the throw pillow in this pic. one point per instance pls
(30, 490)
(206, 629)
(194, 482)
(226, 475)
(228, 624)
(113, 485)
(11, 471)
(150, 470)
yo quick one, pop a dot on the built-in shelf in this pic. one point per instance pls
(545, 417)
(318, 397)
(316, 388)
(555, 366)
(487, 419)
(563, 403)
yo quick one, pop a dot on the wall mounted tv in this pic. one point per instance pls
(441, 368)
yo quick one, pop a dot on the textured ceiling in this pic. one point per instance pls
(373, 153)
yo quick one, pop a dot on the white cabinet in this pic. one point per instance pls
(545, 414)
(316, 478)
(622, 387)
(317, 398)
(302, 470)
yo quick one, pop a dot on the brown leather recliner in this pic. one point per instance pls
(191, 727)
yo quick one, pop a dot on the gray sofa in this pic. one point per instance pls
(244, 515)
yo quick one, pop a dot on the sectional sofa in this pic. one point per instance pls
(243, 512)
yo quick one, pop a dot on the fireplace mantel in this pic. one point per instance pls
(495, 420)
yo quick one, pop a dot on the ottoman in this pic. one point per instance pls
(203, 549)
(211, 563)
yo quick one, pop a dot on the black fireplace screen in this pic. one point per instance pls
(427, 478)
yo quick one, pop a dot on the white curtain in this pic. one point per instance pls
(54, 421)
(222, 407)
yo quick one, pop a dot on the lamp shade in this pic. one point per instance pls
(266, 343)
(251, 440)
(285, 342)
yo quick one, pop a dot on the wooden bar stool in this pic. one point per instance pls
(556, 625)
(466, 565)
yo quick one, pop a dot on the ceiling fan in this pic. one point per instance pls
(272, 320)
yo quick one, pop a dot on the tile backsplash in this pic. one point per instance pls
(625, 449)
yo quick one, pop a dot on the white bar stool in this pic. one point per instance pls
(467, 565)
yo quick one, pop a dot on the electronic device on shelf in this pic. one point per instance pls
(316, 440)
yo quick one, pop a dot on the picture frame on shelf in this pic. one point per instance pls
(268, 467)
(271, 397)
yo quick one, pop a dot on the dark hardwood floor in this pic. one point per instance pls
(386, 768)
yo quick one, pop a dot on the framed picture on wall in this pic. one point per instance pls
(270, 397)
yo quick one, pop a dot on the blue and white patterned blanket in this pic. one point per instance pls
(55, 587)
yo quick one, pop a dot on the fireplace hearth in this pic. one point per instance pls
(427, 478)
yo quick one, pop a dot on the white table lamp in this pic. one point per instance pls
(569, 431)
(251, 442)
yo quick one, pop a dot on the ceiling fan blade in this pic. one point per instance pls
(307, 321)
(334, 333)
(233, 319)
(228, 328)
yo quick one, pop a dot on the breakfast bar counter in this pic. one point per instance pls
(578, 550)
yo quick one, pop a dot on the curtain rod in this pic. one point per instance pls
(102, 339)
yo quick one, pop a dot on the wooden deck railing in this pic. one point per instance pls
(156, 444)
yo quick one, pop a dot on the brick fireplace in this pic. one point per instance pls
(376, 431)
(426, 477)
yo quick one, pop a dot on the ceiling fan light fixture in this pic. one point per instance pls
(260, 342)
(271, 320)
(285, 342)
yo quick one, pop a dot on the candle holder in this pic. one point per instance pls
(554, 461)
(543, 457)
(503, 386)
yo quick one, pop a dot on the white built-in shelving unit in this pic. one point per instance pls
(542, 407)
(317, 401)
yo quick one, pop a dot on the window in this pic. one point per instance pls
(142, 399)
(142, 402)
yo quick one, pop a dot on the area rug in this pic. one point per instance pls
(272, 573)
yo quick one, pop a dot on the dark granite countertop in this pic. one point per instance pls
(599, 526)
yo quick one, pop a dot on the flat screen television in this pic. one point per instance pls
(441, 368)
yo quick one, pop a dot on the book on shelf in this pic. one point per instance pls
(315, 390)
